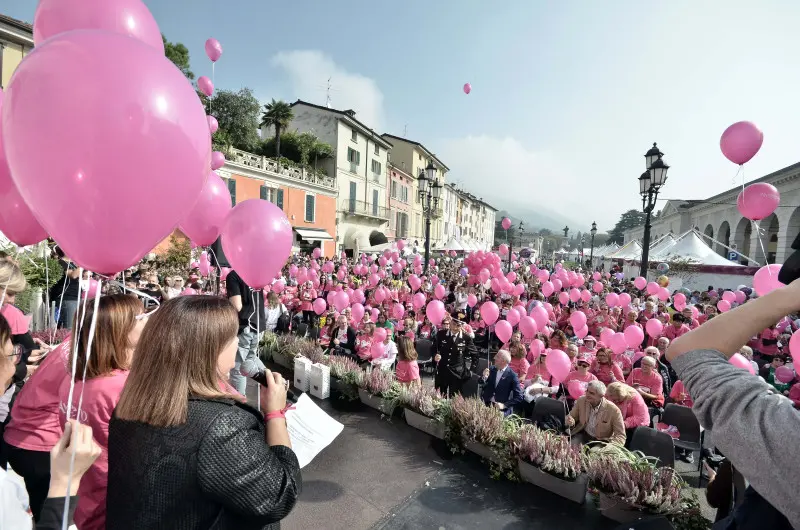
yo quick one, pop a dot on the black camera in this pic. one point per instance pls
(790, 270)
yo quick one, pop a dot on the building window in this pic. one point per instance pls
(404, 193)
(310, 208)
(353, 156)
(376, 168)
(394, 189)
(352, 199)
(232, 191)
(265, 193)
(375, 203)
(419, 156)
(377, 150)
(354, 135)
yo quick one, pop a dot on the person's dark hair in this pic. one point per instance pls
(678, 317)
(562, 338)
(405, 348)
(176, 358)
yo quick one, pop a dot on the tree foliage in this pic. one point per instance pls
(628, 220)
(237, 115)
(277, 114)
(175, 260)
(179, 55)
(302, 148)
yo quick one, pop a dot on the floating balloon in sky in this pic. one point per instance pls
(213, 49)
(741, 141)
(758, 201)
(467, 88)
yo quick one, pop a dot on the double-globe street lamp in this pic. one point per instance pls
(650, 183)
(593, 231)
(429, 193)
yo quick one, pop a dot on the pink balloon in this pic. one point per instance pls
(597, 287)
(758, 201)
(654, 327)
(204, 222)
(380, 333)
(341, 301)
(467, 88)
(357, 312)
(130, 18)
(784, 374)
(511, 276)
(724, 306)
(377, 348)
(537, 347)
(398, 311)
(506, 223)
(205, 265)
(680, 301)
(540, 316)
(577, 319)
(316, 253)
(401, 244)
(606, 335)
(319, 306)
(765, 279)
(439, 292)
(418, 300)
(576, 388)
(257, 240)
(663, 294)
(582, 332)
(740, 361)
(794, 347)
(472, 300)
(213, 124)
(558, 364)
(563, 298)
(278, 286)
(557, 284)
(96, 88)
(489, 312)
(503, 330)
(640, 283)
(188, 292)
(633, 336)
(740, 297)
(574, 294)
(596, 275)
(223, 272)
(206, 86)
(528, 327)
(213, 49)
(653, 288)
(618, 343)
(586, 295)
(91, 289)
(741, 141)
(435, 312)
(612, 299)
(729, 296)
(512, 316)
(217, 160)
(548, 288)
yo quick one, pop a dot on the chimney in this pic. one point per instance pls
(351, 113)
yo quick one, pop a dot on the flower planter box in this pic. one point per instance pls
(344, 396)
(383, 406)
(425, 424)
(619, 510)
(483, 451)
(284, 360)
(574, 490)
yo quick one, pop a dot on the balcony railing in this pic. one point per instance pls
(364, 209)
(271, 165)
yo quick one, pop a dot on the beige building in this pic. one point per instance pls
(16, 41)
(412, 157)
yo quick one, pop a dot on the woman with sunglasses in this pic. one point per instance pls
(120, 320)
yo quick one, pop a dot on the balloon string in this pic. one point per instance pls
(739, 170)
(5, 287)
(48, 324)
(759, 233)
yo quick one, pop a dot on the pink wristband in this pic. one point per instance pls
(278, 413)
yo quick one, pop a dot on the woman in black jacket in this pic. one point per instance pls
(342, 338)
(185, 451)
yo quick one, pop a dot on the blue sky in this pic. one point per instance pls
(566, 99)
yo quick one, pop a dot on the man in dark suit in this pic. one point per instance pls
(501, 385)
(452, 348)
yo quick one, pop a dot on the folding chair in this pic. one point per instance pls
(424, 349)
(691, 436)
(470, 388)
(654, 443)
(546, 406)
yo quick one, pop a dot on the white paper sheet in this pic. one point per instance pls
(310, 429)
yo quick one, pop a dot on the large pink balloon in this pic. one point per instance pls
(528, 327)
(489, 312)
(558, 364)
(435, 311)
(784, 374)
(125, 17)
(503, 330)
(766, 279)
(577, 319)
(741, 141)
(206, 86)
(319, 306)
(612, 299)
(540, 316)
(204, 222)
(506, 223)
(794, 348)
(680, 301)
(356, 311)
(17, 222)
(624, 299)
(472, 300)
(213, 49)
(618, 343)
(724, 306)
(654, 327)
(467, 88)
(740, 361)
(257, 240)
(640, 283)
(512, 316)
(213, 124)
(107, 111)
(340, 299)
(758, 201)
(634, 336)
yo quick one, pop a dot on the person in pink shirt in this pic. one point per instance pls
(538, 372)
(630, 320)
(689, 319)
(581, 372)
(680, 396)
(708, 312)
(604, 368)
(768, 345)
(794, 395)
(35, 427)
(307, 295)
(630, 403)
(647, 381)
(407, 369)
(120, 320)
(589, 345)
(676, 328)
(519, 364)
(364, 342)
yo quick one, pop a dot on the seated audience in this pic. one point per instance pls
(595, 418)
(648, 383)
(631, 405)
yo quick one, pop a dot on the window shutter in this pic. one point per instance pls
(310, 208)
(279, 201)
(263, 193)
(232, 190)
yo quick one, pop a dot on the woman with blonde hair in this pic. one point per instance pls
(631, 404)
(184, 452)
(407, 369)
(100, 375)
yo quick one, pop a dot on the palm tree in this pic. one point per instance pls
(277, 114)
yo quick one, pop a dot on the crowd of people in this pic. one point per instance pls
(161, 378)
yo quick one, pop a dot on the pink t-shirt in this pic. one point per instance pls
(634, 412)
(100, 397)
(363, 346)
(16, 319)
(35, 424)
(652, 383)
(576, 376)
(607, 373)
(520, 367)
(407, 371)
(673, 333)
(675, 394)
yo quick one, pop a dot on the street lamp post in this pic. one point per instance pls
(429, 191)
(593, 231)
(650, 183)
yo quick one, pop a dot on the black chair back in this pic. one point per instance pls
(654, 443)
(684, 419)
(424, 349)
(470, 388)
(483, 364)
(546, 406)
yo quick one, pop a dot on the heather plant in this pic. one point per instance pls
(425, 400)
(477, 422)
(379, 383)
(343, 368)
(310, 350)
(549, 451)
(635, 478)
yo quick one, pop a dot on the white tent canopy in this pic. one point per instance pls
(452, 244)
(662, 244)
(630, 250)
(691, 247)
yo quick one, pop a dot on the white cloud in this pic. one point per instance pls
(309, 71)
